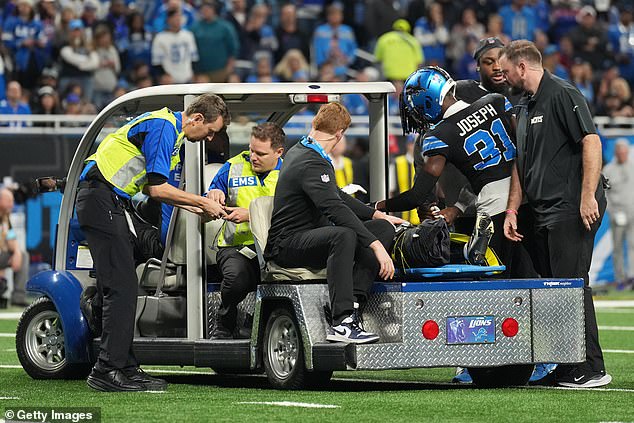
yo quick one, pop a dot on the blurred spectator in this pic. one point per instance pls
(2, 79)
(139, 42)
(495, 29)
(379, 16)
(541, 40)
(357, 104)
(106, 75)
(212, 30)
(89, 16)
(550, 61)
(117, 21)
(415, 9)
(47, 104)
(344, 174)
(542, 14)
(289, 35)
(620, 172)
(333, 41)
(566, 52)
(581, 77)
(398, 51)
(78, 60)
(328, 73)
(263, 70)
(11, 255)
(72, 106)
(520, 20)
(621, 36)
(293, 67)
(140, 72)
(237, 17)
(433, 35)
(23, 36)
(187, 15)
(174, 51)
(590, 39)
(466, 67)
(62, 27)
(563, 19)
(49, 14)
(259, 36)
(468, 27)
(14, 104)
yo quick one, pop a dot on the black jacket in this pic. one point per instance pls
(307, 197)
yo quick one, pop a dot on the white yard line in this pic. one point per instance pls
(9, 398)
(7, 335)
(177, 372)
(620, 351)
(625, 328)
(616, 310)
(9, 350)
(10, 316)
(10, 366)
(289, 404)
(613, 304)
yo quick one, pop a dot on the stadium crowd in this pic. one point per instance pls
(73, 56)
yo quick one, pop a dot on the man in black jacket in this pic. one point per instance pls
(317, 225)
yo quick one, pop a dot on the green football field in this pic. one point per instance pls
(406, 395)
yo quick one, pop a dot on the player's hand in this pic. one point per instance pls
(392, 219)
(450, 214)
(237, 214)
(380, 205)
(386, 270)
(510, 228)
(216, 195)
(213, 209)
(589, 210)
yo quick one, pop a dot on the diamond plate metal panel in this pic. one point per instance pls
(383, 315)
(416, 351)
(245, 308)
(558, 328)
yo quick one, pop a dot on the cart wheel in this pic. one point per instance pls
(284, 355)
(39, 343)
(500, 377)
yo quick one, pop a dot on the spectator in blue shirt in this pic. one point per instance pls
(550, 61)
(433, 35)
(139, 42)
(22, 34)
(334, 41)
(620, 35)
(14, 105)
(188, 15)
(520, 20)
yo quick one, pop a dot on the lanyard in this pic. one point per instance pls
(314, 145)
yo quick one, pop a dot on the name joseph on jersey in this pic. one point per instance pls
(476, 118)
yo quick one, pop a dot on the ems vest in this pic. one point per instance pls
(123, 163)
(405, 178)
(243, 186)
(344, 176)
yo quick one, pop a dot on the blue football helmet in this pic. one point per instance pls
(421, 100)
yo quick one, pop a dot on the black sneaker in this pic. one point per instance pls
(349, 331)
(221, 332)
(475, 250)
(113, 381)
(579, 377)
(137, 375)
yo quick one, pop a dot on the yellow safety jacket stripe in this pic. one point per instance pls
(405, 178)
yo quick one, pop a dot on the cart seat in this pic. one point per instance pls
(260, 212)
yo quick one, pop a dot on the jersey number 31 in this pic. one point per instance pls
(482, 142)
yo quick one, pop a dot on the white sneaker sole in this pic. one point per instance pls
(593, 383)
(333, 337)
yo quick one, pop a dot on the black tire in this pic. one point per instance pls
(284, 355)
(39, 343)
(501, 377)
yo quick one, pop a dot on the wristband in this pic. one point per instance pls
(511, 211)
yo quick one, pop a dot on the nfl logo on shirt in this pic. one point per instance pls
(325, 178)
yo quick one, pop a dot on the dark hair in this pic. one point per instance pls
(521, 49)
(211, 107)
(270, 131)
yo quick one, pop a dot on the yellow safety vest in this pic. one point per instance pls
(345, 175)
(405, 178)
(123, 163)
(243, 186)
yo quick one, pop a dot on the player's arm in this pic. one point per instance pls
(423, 184)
